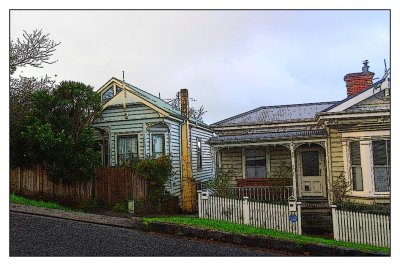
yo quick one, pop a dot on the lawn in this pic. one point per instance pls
(51, 205)
(250, 230)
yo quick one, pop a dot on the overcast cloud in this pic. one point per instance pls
(230, 61)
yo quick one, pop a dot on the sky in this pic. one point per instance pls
(230, 61)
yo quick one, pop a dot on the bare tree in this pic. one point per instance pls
(34, 49)
(196, 114)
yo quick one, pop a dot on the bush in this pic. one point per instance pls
(121, 207)
(365, 208)
(58, 133)
(156, 170)
(220, 185)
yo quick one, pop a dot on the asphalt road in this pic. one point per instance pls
(32, 235)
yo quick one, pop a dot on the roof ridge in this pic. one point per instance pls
(271, 106)
(145, 92)
(298, 104)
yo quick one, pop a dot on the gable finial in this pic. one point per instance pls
(384, 61)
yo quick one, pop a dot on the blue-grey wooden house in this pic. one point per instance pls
(136, 123)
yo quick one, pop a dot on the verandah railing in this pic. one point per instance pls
(270, 193)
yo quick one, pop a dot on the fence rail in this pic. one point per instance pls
(244, 211)
(363, 228)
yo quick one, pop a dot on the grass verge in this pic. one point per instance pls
(51, 205)
(250, 230)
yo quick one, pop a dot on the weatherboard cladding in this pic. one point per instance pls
(267, 136)
(278, 113)
(205, 173)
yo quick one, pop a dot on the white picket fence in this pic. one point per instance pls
(243, 211)
(363, 228)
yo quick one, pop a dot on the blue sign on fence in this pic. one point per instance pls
(293, 218)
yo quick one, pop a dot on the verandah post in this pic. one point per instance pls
(246, 210)
(294, 181)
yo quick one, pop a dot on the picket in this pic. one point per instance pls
(364, 228)
(243, 211)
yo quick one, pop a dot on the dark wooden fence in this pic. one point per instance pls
(114, 184)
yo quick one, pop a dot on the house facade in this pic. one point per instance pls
(308, 148)
(135, 123)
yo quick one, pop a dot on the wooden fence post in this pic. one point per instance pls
(199, 204)
(299, 218)
(335, 222)
(246, 210)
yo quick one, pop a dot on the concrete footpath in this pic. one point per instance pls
(194, 232)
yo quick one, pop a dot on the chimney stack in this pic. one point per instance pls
(184, 95)
(356, 82)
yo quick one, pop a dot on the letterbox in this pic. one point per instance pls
(204, 194)
(292, 204)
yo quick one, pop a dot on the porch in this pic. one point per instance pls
(274, 171)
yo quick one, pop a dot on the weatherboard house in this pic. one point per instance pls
(311, 148)
(136, 123)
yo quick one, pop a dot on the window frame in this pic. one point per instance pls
(258, 155)
(112, 87)
(199, 153)
(125, 135)
(152, 144)
(356, 166)
(365, 138)
(387, 165)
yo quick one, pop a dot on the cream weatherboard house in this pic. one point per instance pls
(307, 148)
(136, 123)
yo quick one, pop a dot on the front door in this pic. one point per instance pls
(311, 172)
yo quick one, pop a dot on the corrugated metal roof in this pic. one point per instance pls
(159, 103)
(278, 113)
(267, 136)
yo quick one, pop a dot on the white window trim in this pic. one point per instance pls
(267, 162)
(366, 154)
(199, 169)
(151, 142)
(121, 134)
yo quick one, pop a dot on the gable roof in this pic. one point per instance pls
(361, 95)
(153, 100)
(277, 113)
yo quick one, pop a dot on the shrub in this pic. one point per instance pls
(156, 170)
(365, 208)
(220, 185)
(121, 207)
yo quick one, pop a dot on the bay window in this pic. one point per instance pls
(381, 165)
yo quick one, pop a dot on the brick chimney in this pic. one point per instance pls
(356, 82)
(184, 102)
